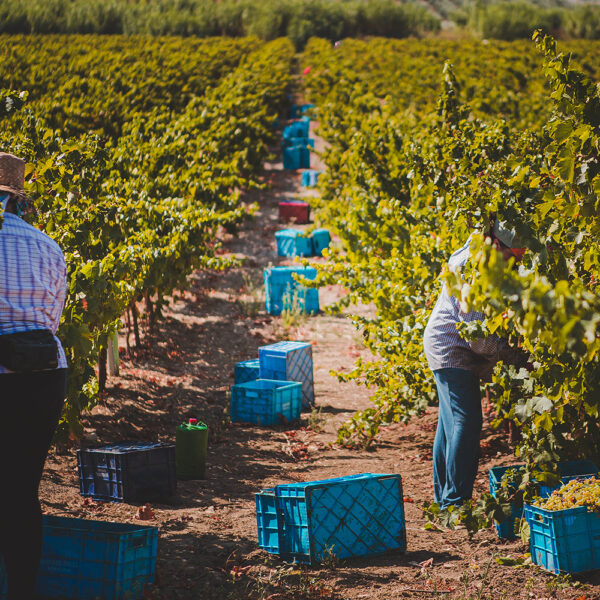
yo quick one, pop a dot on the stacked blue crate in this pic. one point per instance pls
(291, 361)
(246, 370)
(292, 242)
(296, 143)
(282, 291)
(345, 517)
(303, 142)
(297, 129)
(310, 177)
(296, 157)
(86, 559)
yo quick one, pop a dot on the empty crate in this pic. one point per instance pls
(127, 472)
(359, 515)
(291, 242)
(282, 291)
(320, 240)
(564, 541)
(296, 157)
(310, 177)
(87, 560)
(291, 361)
(298, 212)
(246, 370)
(568, 469)
(266, 402)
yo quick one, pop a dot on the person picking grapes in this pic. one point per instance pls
(32, 375)
(458, 367)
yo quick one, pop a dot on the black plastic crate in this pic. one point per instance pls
(127, 472)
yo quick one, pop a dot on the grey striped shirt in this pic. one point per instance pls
(445, 348)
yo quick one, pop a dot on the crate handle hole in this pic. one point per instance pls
(138, 542)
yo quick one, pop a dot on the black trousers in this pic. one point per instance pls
(30, 407)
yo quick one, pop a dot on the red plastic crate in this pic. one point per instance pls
(299, 212)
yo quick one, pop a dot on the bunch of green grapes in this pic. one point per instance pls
(577, 492)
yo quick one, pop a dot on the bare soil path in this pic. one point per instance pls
(208, 546)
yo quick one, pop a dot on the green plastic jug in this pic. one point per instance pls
(191, 442)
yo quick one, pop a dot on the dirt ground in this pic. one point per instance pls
(208, 541)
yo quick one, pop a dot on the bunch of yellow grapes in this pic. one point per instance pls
(577, 492)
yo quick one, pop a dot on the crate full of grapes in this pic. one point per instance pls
(573, 469)
(565, 528)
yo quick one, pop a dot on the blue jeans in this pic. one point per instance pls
(456, 445)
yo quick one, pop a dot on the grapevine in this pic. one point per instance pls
(411, 174)
(136, 185)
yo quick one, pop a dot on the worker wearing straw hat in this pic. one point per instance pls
(32, 375)
(458, 367)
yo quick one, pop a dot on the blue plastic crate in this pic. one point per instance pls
(297, 129)
(266, 402)
(269, 516)
(296, 157)
(298, 141)
(360, 515)
(292, 242)
(321, 239)
(564, 541)
(310, 177)
(246, 370)
(86, 560)
(291, 158)
(267, 520)
(127, 472)
(282, 291)
(569, 470)
(291, 361)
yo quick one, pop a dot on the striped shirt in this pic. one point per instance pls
(33, 281)
(445, 348)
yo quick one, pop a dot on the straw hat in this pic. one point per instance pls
(12, 174)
